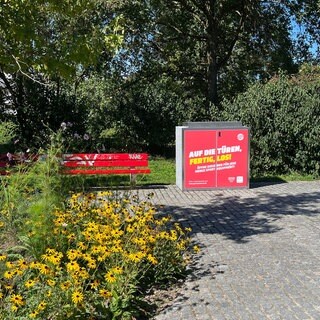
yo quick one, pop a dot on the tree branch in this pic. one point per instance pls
(235, 39)
(25, 74)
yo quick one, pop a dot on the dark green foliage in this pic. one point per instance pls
(37, 109)
(136, 114)
(284, 118)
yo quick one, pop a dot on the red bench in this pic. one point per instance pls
(105, 164)
(89, 163)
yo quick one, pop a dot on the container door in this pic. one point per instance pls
(232, 158)
(199, 159)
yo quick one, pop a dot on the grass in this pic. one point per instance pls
(284, 178)
(163, 173)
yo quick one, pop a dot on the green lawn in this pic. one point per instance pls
(163, 173)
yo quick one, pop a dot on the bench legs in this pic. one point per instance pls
(133, 179)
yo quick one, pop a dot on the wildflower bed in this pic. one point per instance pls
(105, 251)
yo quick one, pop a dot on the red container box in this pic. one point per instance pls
(212, 155)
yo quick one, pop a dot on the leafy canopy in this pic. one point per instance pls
(56, 37)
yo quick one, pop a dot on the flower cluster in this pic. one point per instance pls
(106, 248)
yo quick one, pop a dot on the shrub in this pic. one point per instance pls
(105, 251)
(66, 255)
(284, 120)
(31, 192)
(7, 132)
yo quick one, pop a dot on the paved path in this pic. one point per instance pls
(260, 256)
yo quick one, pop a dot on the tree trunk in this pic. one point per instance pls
(212, 51)
(212, 78)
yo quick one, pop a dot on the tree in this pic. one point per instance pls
(47, 42)
(206, 43)
(55, 36)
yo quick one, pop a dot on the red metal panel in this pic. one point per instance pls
(199, 157)
(105, 156)
(232, 158)
(101, 171)
(111, 163)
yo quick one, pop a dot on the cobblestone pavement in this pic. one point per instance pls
(260, 252)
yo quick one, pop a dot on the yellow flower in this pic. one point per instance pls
(65, 285)
(8, 287)
(110, 277)
(43, 268)
(173, 235)
(1, 295)
(94, 284)
(117, 248)
(139, 241)
(117, 270)
(83, 273)
(71, 237)
(82, 245)
(77, 297)
(117, 233)
(92, 264)
(73, 266)
(52, 256)
(14, 308)
(51, 282)
(105, 293)
(196, 249)
(181, 245)
(73, 254)
(8, 274)
(30, 283)
(22, 264)
(18, 272)
(87, 235)
(34, 265)
(152, 259)
(96, 250)
(164, 235)
(33, 314)
(58, 222)
(17, 299)
(129, 219)
(2, 257)
(56, 258)
(136, 257)
(10, 264)
(105, 255)
(50, 251)
(41, 306)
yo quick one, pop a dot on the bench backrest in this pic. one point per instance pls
(105, 160)
(91, 163)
